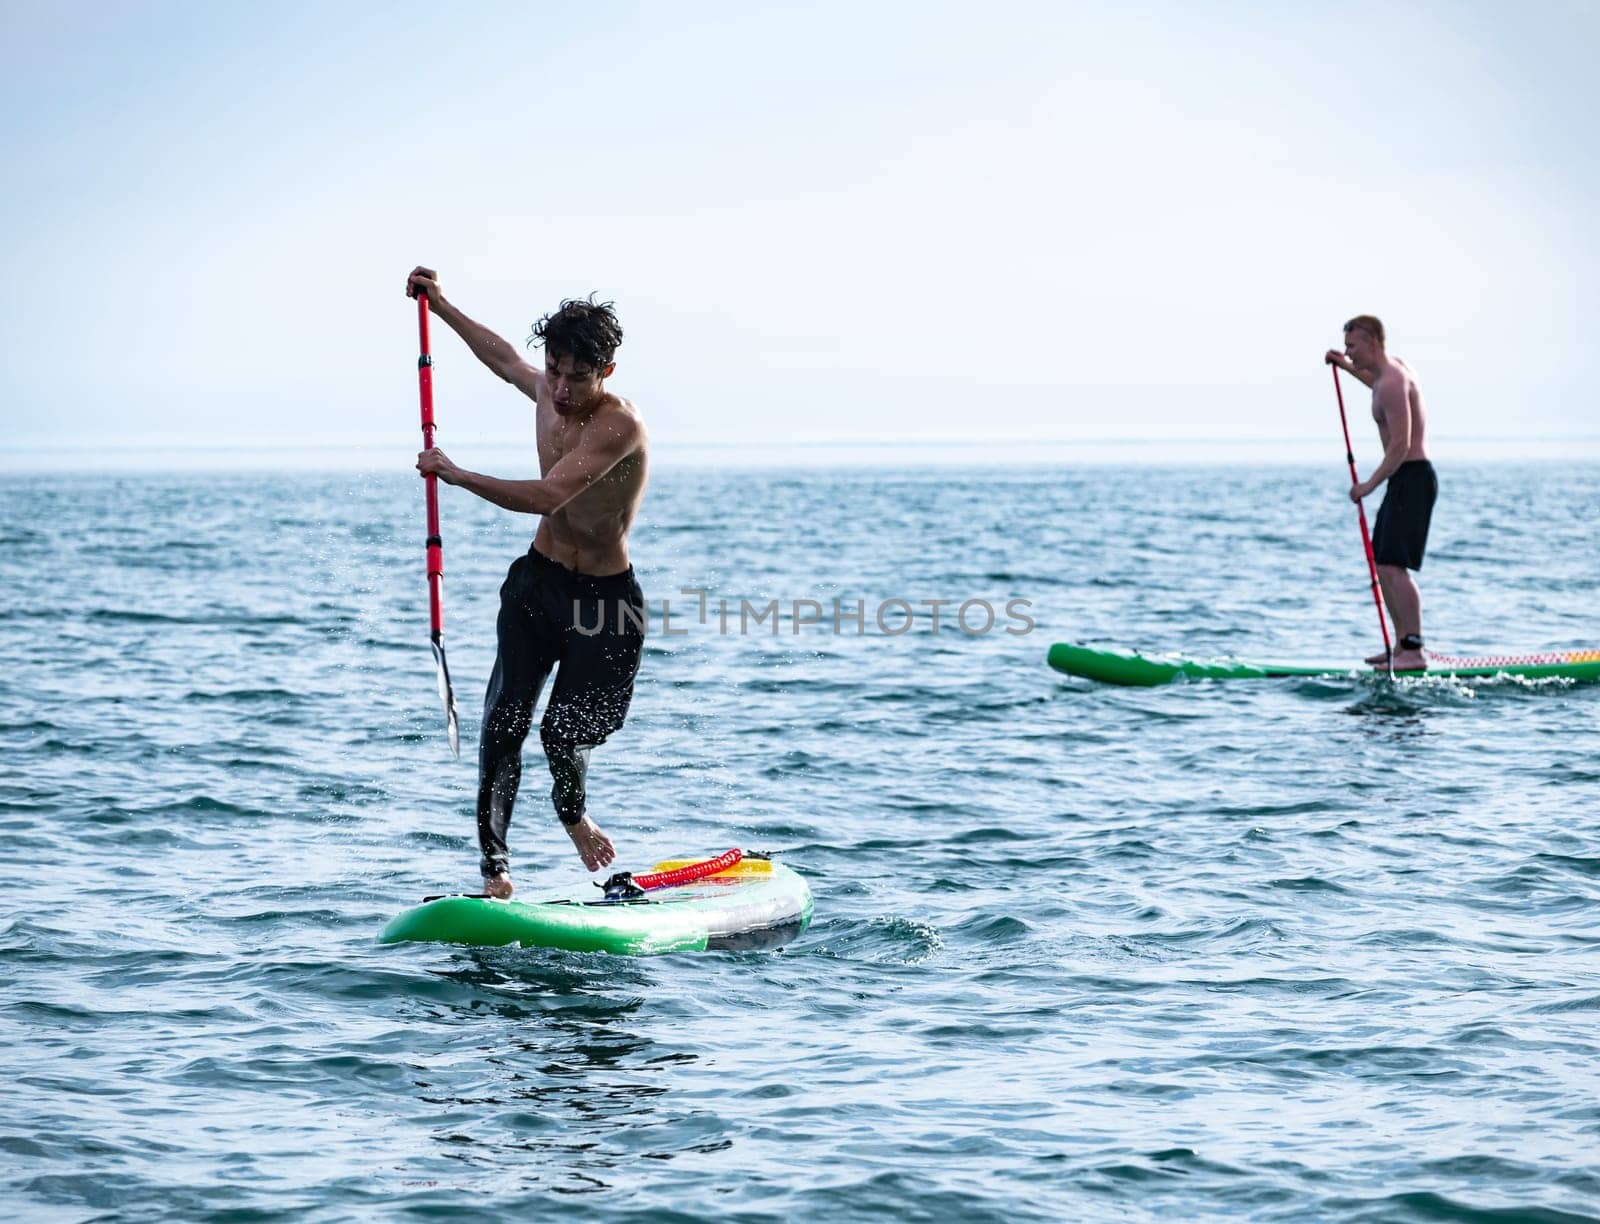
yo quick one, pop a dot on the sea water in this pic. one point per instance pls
(1285, 950)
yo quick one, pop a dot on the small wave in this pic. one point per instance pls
(1578, 864)
(876, 941)
(1307, 884)
(1429, 1205)
(244, 696)
(990, 929)
(134, 616)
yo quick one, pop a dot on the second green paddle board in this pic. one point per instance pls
(1130, 667)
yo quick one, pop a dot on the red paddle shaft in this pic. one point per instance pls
(1361, 514)
(435, 543)
(430, 481)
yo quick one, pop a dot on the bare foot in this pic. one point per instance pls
(594, 847)
(1381, 657)
(498, 886)
(1410, 660)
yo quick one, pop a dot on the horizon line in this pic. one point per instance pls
(989, 442)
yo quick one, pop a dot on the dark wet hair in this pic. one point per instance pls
(583, 329)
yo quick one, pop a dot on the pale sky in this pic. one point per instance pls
(855, 222)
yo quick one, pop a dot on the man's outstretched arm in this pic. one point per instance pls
(494, 351)
(1393, 405)
(606, 442)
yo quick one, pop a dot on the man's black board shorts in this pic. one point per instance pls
(1400, 532)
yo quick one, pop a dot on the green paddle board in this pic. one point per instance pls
(756, 903)
(1130, 667)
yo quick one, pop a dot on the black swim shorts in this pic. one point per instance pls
(1400, 532)
(590, 630)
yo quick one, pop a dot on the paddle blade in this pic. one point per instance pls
(447, 695)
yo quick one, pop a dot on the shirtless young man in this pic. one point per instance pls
(576, 575)
(1400, 532)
